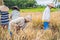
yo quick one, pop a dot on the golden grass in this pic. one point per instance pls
(33, 29)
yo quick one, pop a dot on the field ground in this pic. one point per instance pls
(33, 30)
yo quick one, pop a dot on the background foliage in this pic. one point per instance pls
(20, 3)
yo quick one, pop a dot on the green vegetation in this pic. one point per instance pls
(26, 5)
(35, 10)
(32, 10)
(20, 3)
(54, 9)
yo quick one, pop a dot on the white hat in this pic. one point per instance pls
(4, 8)
(28, 18)
(51, 4)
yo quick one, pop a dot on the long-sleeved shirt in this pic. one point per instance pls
(15, 14)
(46, 14)
(19, 21)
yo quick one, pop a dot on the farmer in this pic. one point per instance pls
(46, 15)
(14, 15)
(4, 16)
(20, 22)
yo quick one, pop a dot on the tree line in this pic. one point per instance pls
(20, 3)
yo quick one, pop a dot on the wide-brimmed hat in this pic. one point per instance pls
(51, 5)
(15, 7)
(28, 18)
(4, 8)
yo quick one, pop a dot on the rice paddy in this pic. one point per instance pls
(34, 29)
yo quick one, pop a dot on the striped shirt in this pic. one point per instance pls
(4, 18)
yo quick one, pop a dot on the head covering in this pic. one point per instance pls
(28, 18)
(15, 8)
(51, 5)
(4, 8)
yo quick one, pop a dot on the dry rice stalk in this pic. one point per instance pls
(44, 35)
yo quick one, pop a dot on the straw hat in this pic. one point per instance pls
(28, 18)
(4, 8)
(51, 5)
(15, 7)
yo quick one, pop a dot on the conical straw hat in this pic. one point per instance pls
(4, 8)
(51, 5)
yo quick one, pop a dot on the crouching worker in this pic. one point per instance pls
(19, 23)
(46, 16)
(4, 16)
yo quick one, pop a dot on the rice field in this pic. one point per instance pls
(34, 29)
